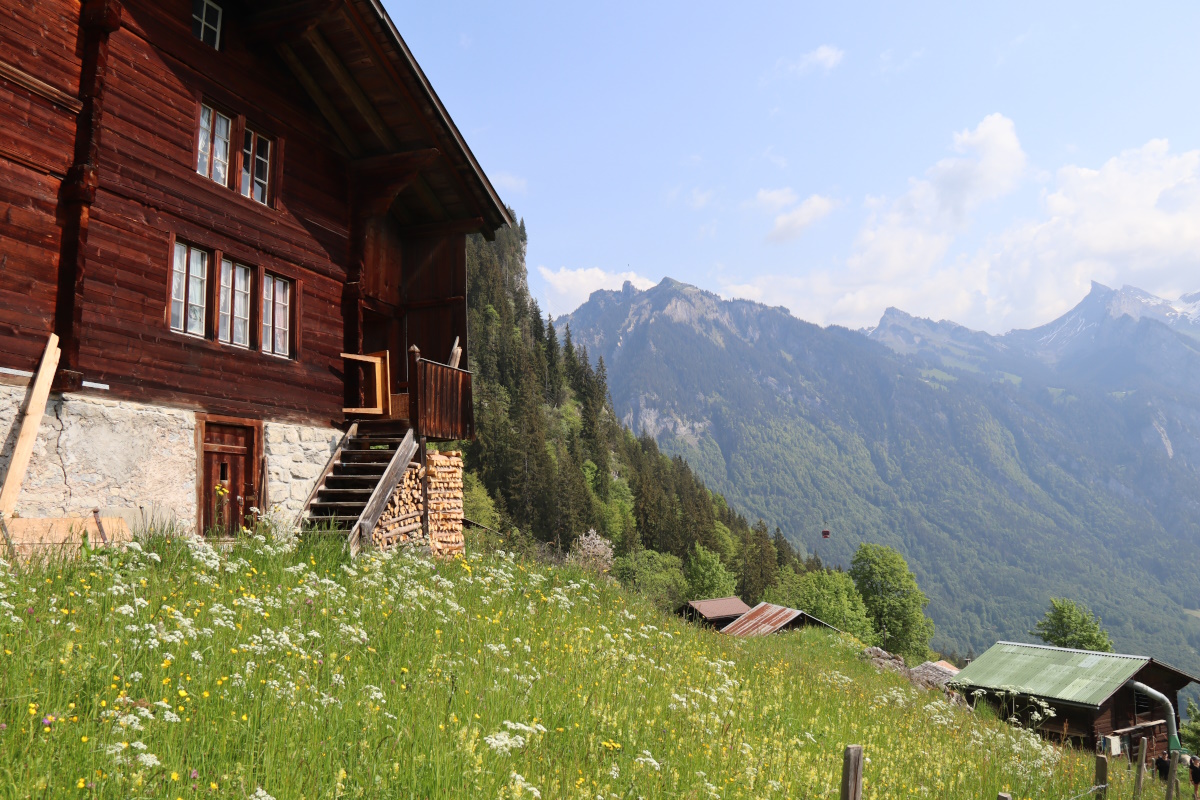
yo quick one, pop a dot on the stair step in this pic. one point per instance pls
(351, 511)
(368, 470)
(337, 494)
(367, 456)
(374, 443)
(337, 506)
(351, 482)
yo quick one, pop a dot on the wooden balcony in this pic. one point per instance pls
(436, 401)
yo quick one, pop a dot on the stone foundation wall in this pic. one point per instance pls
(296, 455)
(128, 459)
(138, 461)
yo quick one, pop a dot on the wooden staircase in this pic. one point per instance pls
(360, 476)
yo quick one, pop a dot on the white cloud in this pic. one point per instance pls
(791, 224)
(825, 57)
(776, 199)
(698, 198)
(567, 289)
(889, 63)
(508, 182)
(1135, 220)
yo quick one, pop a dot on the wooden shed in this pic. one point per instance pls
(245, 221)
(714, 613)
(1088, 691)
(767, 618)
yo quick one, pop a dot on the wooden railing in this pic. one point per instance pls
(390, 479)
(439, 399)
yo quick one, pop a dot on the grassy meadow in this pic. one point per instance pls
(283, 670)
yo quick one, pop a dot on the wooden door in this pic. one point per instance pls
(385, 332)
(229, 477)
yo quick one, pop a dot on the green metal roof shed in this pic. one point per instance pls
(1079, 677)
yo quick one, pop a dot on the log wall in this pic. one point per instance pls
(39, 79)
(104, 147)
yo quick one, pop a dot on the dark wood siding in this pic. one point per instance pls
(119, 178)
(150, 195)
(38, 40)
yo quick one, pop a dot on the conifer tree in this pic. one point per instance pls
(759, 566)
(554, 376)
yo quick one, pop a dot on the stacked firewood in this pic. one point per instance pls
(400, 523)
(444, 472)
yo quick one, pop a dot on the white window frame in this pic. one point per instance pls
(277, 316)
(251, 184)
(189, 289)
(205, 21)
(210, 143)
(236, 283)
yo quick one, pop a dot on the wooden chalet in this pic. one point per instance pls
(244, 217)
(1090, 693)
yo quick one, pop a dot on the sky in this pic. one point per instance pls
(976, 163)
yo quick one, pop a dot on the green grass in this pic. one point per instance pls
(174, 670)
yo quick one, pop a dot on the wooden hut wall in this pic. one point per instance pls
(435, 278)
(150, 196)
(38, 40)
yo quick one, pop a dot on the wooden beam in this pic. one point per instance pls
(287, 21)
(379, 58)
(354, 92)
(322, 101)
(447, 228)
(40, 88)
(31, 420)
(378, 180)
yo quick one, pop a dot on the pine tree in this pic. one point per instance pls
(554, 377)
(759, 563)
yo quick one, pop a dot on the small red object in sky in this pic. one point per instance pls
(824, 534)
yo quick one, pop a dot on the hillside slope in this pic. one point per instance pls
(1005, 480)
(271, 671)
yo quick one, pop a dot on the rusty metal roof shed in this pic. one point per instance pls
(717, 607)
(767, 618)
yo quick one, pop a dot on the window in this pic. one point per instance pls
(189, 283)
(206, 22)
(276, 315)
(233, 318)
(221, 307)
(212, 160)
(256, 163)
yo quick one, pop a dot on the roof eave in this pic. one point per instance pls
(499, 215)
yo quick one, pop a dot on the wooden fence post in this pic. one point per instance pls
(1141, 768)
(1101, 779)
(1172, 776)
(852, 765)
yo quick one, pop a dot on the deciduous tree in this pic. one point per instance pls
(1071, 624)
(893, 600)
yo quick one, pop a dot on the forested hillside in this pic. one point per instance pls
(550, 452)
(551, 461)
(1003, 487)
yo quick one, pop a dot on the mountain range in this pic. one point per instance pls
(1061, 461)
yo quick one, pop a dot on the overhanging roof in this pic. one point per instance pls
(350, 59)
(1080, 677)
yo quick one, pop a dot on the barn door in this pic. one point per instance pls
(229, 477)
